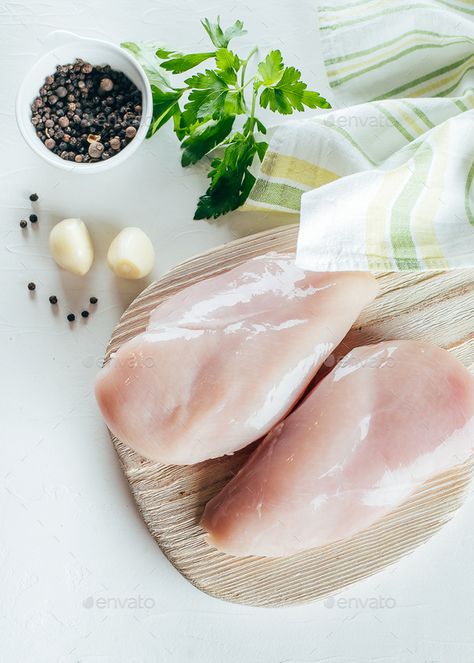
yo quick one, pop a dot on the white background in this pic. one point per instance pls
(70, 537)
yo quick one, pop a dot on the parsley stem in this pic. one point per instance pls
(254, 103)
(245, 63)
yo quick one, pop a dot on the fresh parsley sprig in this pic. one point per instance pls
(205, 107)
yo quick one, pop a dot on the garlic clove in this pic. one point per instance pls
(131, 254)
(71, 246)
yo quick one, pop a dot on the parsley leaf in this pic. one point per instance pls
(204, 137)
(290, 94)
(234, 103)
(314, 100)
(165, 105)
(145, 55)
(164, 54)
(227, 64)
(262, 148)
(207, 97)
(271, 69)
(231, 179)
(179, 127)
(180, 63)
(219, 38)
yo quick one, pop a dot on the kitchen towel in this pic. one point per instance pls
(385, 182)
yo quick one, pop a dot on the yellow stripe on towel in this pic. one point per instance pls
(429, 249)
(296, 170)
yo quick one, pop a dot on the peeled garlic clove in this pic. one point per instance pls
(131, 254)
(71, 246)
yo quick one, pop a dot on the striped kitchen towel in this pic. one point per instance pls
(386, 181)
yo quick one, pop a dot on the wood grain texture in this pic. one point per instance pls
(430, 306)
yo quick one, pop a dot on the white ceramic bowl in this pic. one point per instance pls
(62, 47)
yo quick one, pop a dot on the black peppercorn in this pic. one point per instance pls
(85, 314)
(93, 300)
(95, 150)
(31, 286)
(23, 223)
(106, 85)
(34, 197)
(71, 317)
(81, 99)
(53, 299)
(33, 218)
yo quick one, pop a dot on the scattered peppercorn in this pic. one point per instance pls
(93, 300)
(53, 299)
(31, 286)
(34, 197)
(33, 218)
(23, 223)
(71, 317)
(85, 314)
(80, 100)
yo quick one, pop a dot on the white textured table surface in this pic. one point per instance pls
(81, 581)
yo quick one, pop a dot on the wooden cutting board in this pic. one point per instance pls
(431, 306)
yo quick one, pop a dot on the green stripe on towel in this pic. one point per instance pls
(275, 193)
(403, 245)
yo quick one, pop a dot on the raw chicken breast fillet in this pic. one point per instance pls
(223, 360)
(385, 420)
